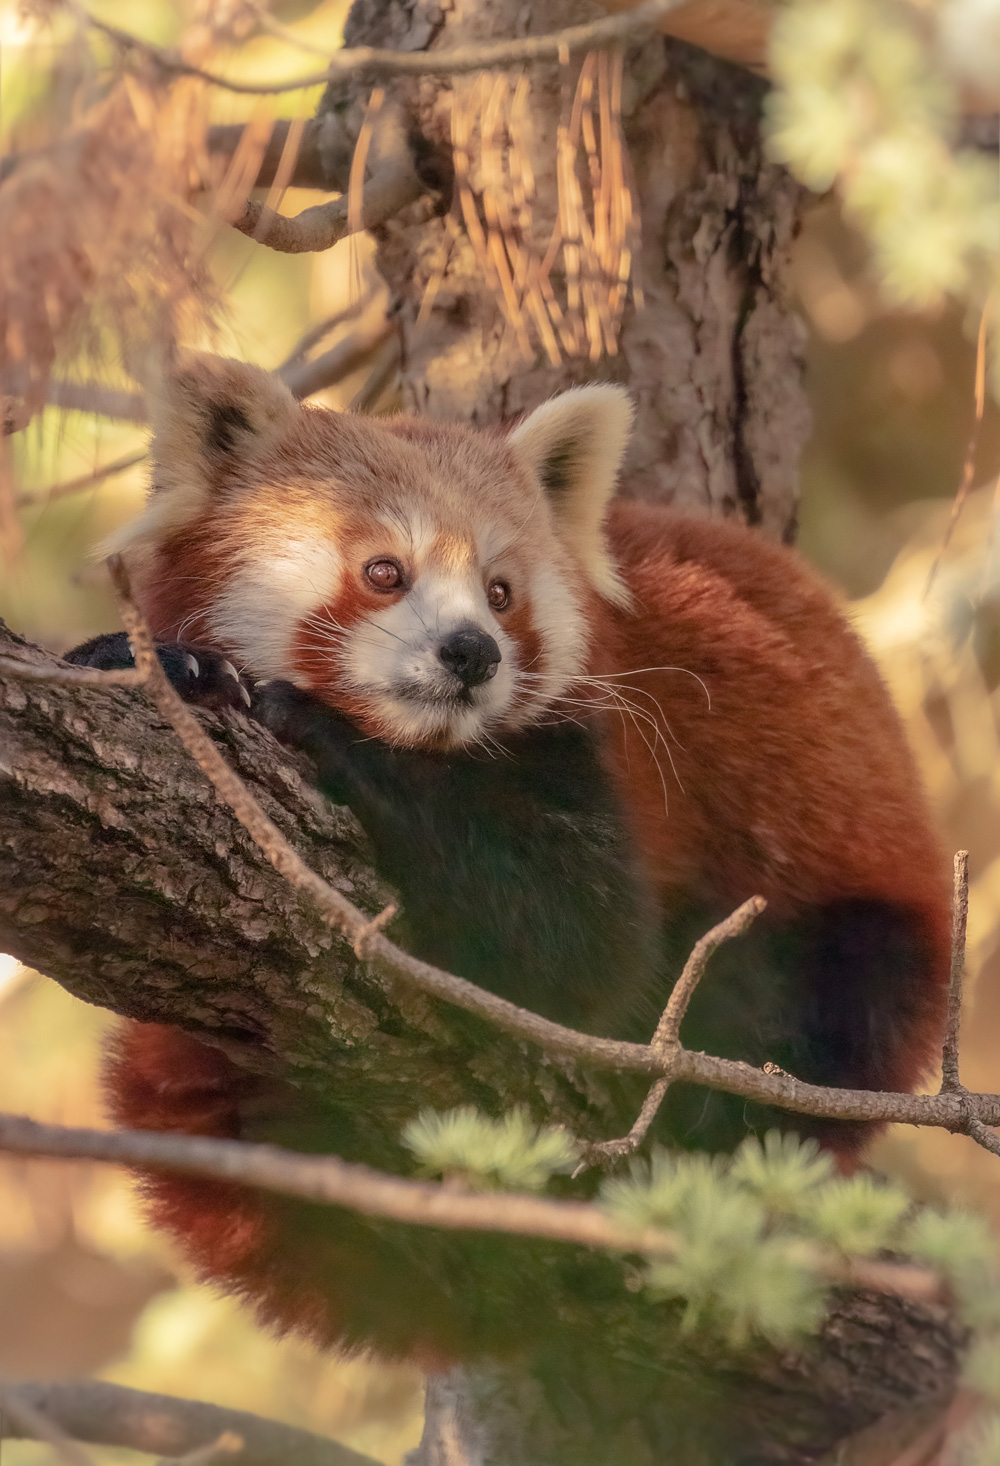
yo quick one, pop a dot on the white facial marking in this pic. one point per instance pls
(561, 625)
(394, 657)
(269, 595)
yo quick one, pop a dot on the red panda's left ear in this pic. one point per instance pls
(209, 411)
(575, 443)
(209, 414)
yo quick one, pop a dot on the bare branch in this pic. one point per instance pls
(74, 397)
(384, 370)
(34, 1424)
(162, 1425)
(604, 1152)
(306, 377)
(317, 333)
(959, 920)
(131, 406)
(951, 1084)
(982, 1135)
(666, 1039)
(71, 676)
(85, 481)
(770, 1086)
(393, 185)
(373, 1193)
(273, 27)
(667, 1035)
(323, 160)
(372, 61)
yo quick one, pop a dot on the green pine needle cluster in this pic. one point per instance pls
(512, 1152)
(752, 1234)
(858, 1215)
(864, 100)
(739, 1222)
(752, 1229)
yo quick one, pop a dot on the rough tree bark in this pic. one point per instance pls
(713, 358)
(123, 878)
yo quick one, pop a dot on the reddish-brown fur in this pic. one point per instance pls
(796, 783)
(791, 786)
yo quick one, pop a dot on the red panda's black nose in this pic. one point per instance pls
(471, 655)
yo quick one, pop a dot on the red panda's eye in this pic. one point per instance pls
(384, 574)
(498, 595)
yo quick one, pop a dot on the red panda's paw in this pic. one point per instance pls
(200, 675)
(300, 719)
(204, 677)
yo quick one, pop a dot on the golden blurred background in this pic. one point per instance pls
(85, 1288)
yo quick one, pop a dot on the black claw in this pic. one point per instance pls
(204, 677)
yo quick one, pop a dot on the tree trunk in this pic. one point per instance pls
(714, 356)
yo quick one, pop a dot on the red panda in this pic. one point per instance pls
(578, 729)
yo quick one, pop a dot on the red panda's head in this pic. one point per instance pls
(429, 580)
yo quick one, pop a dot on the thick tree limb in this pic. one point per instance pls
(950, 1111)
(162, 1425)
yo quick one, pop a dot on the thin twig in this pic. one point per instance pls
(32, 1422)
(666, 1040)
(370, 61)
(668, 1029)
(71, 676)
(73, 397)
(349, 353)
(85, 481)
(162, 1425)
(383, 372)
(315, 334)
(335, 1182)
(950, 1082)
(285, 33)
(969, 466)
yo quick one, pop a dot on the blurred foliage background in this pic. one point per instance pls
(85, 1288)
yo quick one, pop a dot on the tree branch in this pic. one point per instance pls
(36, 1425)
(83, 481)
(667, 1038)
(162, 1425)
(362, 62)
(392, 186)
(334, 909)
(373, 1193)
(950, 1082)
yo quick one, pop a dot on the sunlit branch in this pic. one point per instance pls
(372, 61)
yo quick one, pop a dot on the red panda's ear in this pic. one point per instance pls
(208, 411)
(575, 443)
